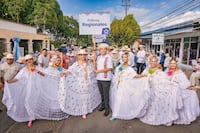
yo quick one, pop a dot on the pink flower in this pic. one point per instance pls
(170, 73)
(33, 69)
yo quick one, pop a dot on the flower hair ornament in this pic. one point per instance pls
(60, 69)
(121, 68)
(169, 73)
(151, 71)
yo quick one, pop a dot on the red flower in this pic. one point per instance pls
(33, 69)
(170, 73)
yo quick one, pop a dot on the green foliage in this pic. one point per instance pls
(13, 9)
(124, 32)
(47, 16)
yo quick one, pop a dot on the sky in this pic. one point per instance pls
(162, 12)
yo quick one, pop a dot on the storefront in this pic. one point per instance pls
(183, 42)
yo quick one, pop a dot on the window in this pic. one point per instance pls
(185, 53)
(186, 39)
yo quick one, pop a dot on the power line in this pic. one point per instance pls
(165, 22)
(171, 12)
(183, 10)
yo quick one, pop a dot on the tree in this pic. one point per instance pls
(3, 10)
(124, 32)
(47, 16)
(116, 28)
(15, 9)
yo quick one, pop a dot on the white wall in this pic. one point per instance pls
(17, 27)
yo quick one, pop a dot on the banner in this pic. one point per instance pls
(97, 23)
(16, 50)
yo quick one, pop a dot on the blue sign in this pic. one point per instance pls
(105, 31)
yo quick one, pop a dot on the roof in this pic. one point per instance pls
(174, 29)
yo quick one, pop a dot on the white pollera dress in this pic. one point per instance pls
(128, 95)
(190, 110)
(164, 101)
(78, 92)
(18, 96)
(47, 106)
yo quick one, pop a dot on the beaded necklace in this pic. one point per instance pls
(84, 67)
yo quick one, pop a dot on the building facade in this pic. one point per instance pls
(182, 41)
(30, 42)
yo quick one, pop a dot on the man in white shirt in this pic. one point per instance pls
(43, 59)
(103, 72)
(195, 76)
(140, 59)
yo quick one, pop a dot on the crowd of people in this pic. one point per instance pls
(130, 84)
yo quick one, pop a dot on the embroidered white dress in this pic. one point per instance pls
(163, 104)
(18, 96)
(190, 110)
(128, 95)
(78, 92)
(47, 106)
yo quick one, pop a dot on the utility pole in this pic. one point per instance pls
(126, 4)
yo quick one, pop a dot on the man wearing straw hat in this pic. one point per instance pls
(9, 69)
(103, 72)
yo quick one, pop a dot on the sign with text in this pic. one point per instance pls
(157, 39)
(99, 38)
(97, 23)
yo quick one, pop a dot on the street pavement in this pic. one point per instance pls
(95, 123)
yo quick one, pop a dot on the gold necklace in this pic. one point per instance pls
(85, 69)
(121, 72)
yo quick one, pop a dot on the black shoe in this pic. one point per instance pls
(0, 110)
(106, 113)
(101, 108)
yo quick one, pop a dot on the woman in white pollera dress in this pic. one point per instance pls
(20, 93)
(78, 91)
(47, 106)
(128, 95)
(190, 110)
(163, 104)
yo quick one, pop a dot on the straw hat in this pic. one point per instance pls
(20, 60)
(5, 53)
(125, 48)
(28, 57)
(9, 56)
(128, 49)
(114, 52)
(167, 55)
(141, 46)
(82, 51)
(103, 45)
